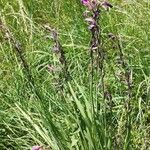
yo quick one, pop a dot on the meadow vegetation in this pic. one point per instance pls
(57, 94)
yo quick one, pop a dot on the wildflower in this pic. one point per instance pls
(37, 147)
(90, 20)
(96, 13)
(106, 5)
(85, 2)
(91, 4)
(56, 48)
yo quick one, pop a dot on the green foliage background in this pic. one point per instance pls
(42, 114)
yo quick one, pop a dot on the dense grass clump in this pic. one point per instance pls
(71, 80)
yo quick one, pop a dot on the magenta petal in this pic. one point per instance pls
(84, 1)
(36, 147)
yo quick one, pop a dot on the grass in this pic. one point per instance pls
(35, 110)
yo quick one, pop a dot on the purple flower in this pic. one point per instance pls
(36, 147)
(91, 4)
(91, 22)
(85, 2)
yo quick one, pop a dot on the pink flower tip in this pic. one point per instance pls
(36, 147)
(84, 2)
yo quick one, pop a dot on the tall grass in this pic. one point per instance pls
(35, 110)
